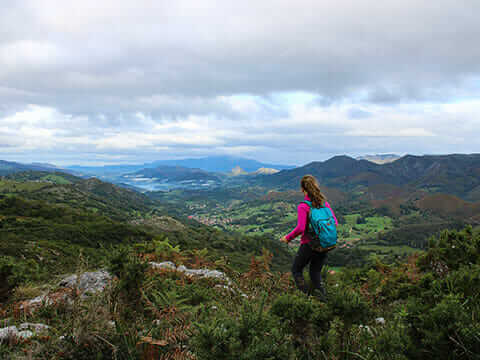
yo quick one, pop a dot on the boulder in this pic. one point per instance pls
(8, 332)
(13, 331)
(190, 272)
(89, 282)
(25, 334)
(163, 265)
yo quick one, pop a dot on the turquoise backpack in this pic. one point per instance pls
(321, 228)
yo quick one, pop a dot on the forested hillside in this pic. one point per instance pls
(45, 225)
(427, 307)
(177, 288)
(452, 174)
(10, 167)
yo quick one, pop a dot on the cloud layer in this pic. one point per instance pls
(135, 81)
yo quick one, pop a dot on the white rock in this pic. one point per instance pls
(8, 332)
(38, 300)
(224, 287)
(89, 282)
(216, 274)
(197, 272)
(163, 265)
(232, 290)
(36, 326)
(25, 334)
(367, 328)
(204, 273)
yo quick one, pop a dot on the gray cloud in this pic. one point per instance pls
(167, 78)
(401, 50)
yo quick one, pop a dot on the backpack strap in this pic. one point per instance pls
(309, 203)
(307, 225)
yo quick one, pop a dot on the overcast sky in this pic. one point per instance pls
(114, 81)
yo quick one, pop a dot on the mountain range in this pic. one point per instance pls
(455, 174)
(380, 158)
(210, 164)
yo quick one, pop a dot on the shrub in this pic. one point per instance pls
(255, 335)
(14, 273)
(130, 271)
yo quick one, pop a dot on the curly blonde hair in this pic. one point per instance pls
(310, 185)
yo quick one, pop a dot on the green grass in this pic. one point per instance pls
(351, 219)
(394, 250)
(10, 186)
(56, 179)
(351, 231)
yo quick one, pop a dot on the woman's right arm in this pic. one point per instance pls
(302, 213)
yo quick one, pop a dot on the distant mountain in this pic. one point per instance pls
(10, 167)
(237, 170)
(380, 158)
(265, 171)
(222, 164)
(210, 164)
(340, 168)
(168, 177)
(46, 165)
(107, 170)
(452, 174)
(173, 173)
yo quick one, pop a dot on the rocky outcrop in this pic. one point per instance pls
(88, 282)
(24, 331)
(203, 273)
(96, 281)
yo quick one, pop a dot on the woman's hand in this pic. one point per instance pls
(284, 239)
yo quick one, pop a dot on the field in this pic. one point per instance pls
(10, 186)
(364, 233)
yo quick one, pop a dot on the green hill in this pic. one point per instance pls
(454, 174)
(45, 226)
(85, 194)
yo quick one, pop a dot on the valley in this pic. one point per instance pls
(188, 260)
(388, 211)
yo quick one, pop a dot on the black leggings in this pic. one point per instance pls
(316, 259)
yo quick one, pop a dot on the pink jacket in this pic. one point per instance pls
(302, 217)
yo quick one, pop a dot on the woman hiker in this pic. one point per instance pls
(305, 254)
